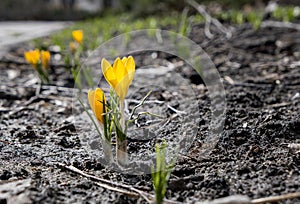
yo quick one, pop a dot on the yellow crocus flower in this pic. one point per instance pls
(77, 36)
(45, 58)
(120, 75)
(96, 98)
(33, 57)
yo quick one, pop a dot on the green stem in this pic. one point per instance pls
(122, 119)
(122, 155)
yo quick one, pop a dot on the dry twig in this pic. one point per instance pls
(117, 187)
(209, 20)
(279, 24)
(132, 191)
(276, 198)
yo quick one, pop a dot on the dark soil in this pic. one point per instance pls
(260, 70)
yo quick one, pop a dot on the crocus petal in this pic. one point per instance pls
(77, 35)
(122, 87)
(91, 95)
(36, 56)
(96, 98)
(105, 65)
(119, 69)
(108, 73)
(45, 58)
(124, 60)
(33, 57)
(130, 67)
(28, 57)
(130, 64)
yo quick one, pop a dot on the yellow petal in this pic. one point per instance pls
(122, 88)
(91, 95)
(111, 77)
(45, 58)
(77, 35)
(119, 69)
(105, 65)
(130, 67)
(33, 57)
(130, 64)
(108, 73)
(28, 57)
(124, 60)
(96, 99)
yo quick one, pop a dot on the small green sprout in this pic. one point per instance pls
(161, 172)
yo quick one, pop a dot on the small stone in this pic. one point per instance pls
(189, 185)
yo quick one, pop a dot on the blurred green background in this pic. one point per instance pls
(82, 9)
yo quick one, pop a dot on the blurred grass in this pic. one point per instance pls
(255, 17)
(38, 10)
(100, 29)
(286, 13)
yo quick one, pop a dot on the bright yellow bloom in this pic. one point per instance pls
(33, 57)
(77, 35)
(96, 99)
(120, 75)
(45, 58)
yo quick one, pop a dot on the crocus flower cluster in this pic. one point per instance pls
(119, 76)
(40, 61)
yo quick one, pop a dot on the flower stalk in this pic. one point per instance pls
(122, 155)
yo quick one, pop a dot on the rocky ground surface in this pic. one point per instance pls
(257, 154)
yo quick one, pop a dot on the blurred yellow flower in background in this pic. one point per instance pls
(97, 100)
(77, 36)
(45, 58)
(120, 75)
(33, 57)
(40, 61)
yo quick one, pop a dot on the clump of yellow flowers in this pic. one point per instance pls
(111, 116)
(40, 61)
